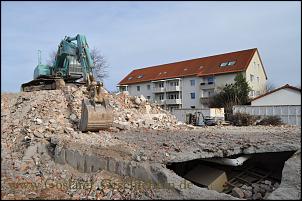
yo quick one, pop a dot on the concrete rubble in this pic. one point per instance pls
(36, 128)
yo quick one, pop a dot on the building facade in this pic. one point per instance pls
(285, 95)
(190, 83)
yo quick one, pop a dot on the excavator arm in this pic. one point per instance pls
(95, 114)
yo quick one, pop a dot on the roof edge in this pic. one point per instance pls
(282, 87)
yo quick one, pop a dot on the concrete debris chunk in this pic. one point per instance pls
(237, 192)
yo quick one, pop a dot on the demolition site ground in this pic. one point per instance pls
(146, 154)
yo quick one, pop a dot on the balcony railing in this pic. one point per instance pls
(160, 102)
(173, 88)
(158, 89)
(210, 85)
(173, 101)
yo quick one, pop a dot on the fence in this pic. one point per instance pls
(181, 114)
(289, 114)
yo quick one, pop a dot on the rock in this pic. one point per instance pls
(73, 117)
(38, 121)
(276, 185)
(137, 101)
(267, 182)
(114, 129)
(247, 194)
(128, 116)
(52, 121)
(68, 130)
(257, 196)
(144, 158)
(122, 125)
(138, 158)
(237, 192)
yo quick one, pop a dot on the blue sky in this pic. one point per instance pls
(139, 34)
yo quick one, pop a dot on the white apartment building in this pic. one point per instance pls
(190, 83)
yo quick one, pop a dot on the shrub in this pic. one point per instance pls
(242, 119)
(270, 120)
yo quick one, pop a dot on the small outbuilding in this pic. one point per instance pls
(285, 95)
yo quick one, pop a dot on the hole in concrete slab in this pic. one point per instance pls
(249, 176)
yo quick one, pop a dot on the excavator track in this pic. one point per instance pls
(47, 84)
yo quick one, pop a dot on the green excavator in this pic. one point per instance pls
(73, 64)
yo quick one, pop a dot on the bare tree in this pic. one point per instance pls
(100, 69)
(51, 58)
(269, 87)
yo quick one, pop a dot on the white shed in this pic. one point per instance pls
(285, 95)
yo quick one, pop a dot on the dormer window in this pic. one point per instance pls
(165, 72)
(228, 63)
(129, 78)
(223, 64)
(140, 76)
(231, 63)
(185, 69)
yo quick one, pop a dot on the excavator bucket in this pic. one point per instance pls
(95, 117)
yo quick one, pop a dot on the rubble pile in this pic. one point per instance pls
(137, 112)
(30, 122)
(130, 112)
(255, 191)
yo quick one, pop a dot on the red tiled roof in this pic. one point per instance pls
(199, 67)
(283, 87)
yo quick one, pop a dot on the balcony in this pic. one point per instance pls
(160, 102)
(204, 100)
(173, 88)
(210, 85)
(173, 101)
(158, 89)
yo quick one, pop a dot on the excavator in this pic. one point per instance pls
(73, 62)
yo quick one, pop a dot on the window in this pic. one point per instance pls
(252, 93)
(223, 64)
(148, 87)
(165, 72)
(148, 97)
(192, 107)
(210, 80)
(251, 77)
(138, 88)
(129, 78)
(192, 95)
(161, 97)
(258, 79)
(161, 84)
(257, 93)
(192, 82)
(231, 63)
(140, 76)
(172, 96)
(185, 69)
(209, 93)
